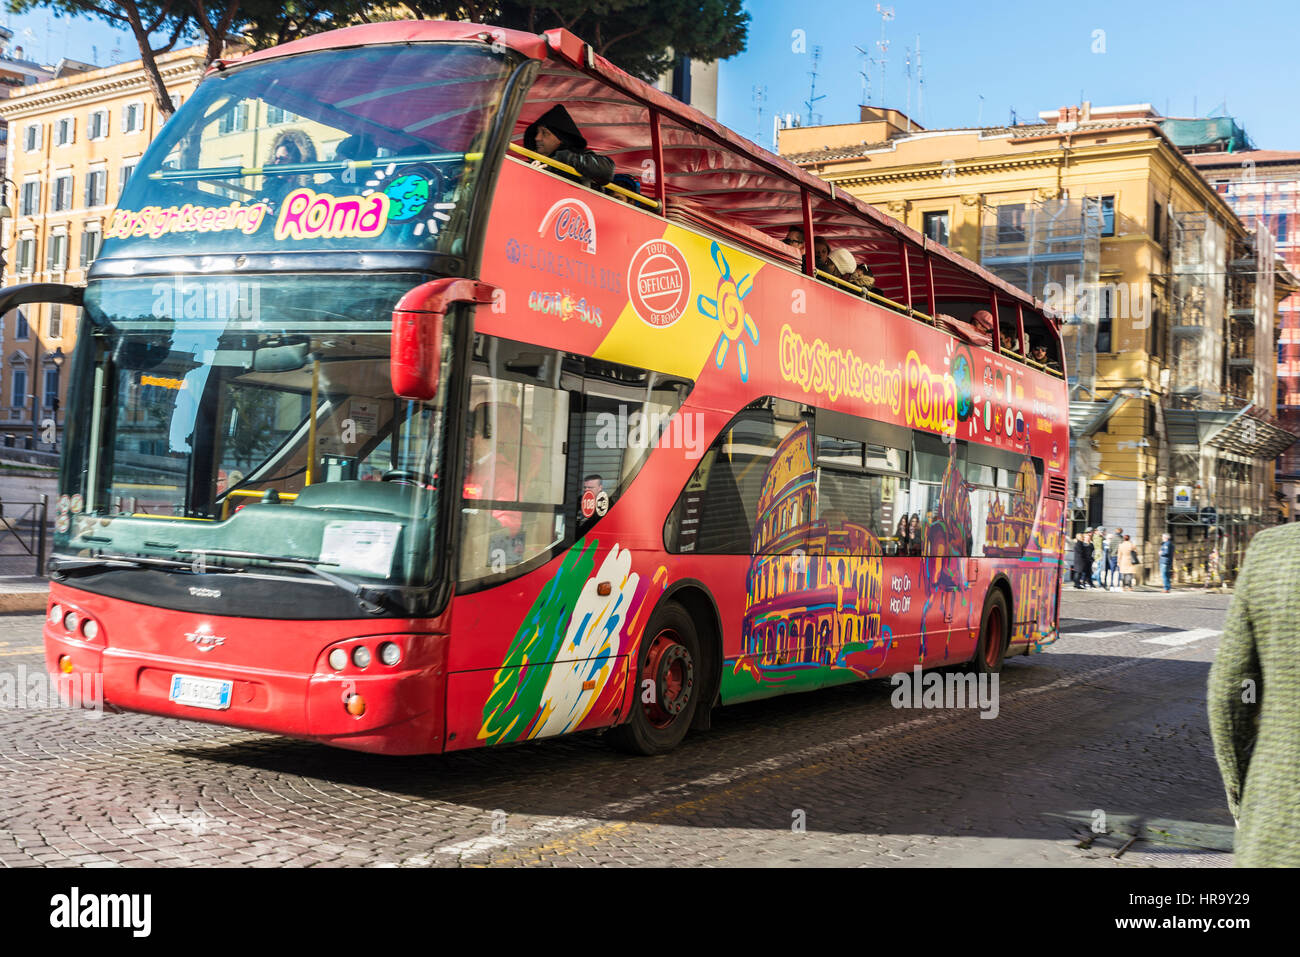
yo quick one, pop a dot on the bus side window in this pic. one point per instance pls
(514, 488)
(717, 511)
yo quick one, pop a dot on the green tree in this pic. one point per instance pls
(643, 37)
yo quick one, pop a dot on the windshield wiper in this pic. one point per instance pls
(61, 566)
(371, 600)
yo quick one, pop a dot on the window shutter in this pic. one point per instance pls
(85, 249)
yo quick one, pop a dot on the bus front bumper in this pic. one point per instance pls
(396, 710)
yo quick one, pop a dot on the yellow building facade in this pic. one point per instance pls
(1096, 212)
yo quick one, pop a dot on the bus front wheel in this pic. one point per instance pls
(992, 644)
(669, 679)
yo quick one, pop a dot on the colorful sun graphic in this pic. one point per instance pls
(729, 309)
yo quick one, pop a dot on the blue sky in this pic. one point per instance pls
(1028, 55)
(47, 38)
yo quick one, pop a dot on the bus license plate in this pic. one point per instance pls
(210, 693)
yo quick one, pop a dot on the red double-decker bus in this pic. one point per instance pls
(394, 426)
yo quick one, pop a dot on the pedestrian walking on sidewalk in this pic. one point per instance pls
(1167, 560)
(1082, 561)
(1113, 541)
(1128, 563)
(1254, 702)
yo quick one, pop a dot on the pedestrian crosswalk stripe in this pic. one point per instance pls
(1183, 637)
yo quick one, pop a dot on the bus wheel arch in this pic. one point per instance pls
(698, 601)
(674, 675)
(995, 616)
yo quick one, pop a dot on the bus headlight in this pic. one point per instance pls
(361, 656)
(389, 653)
(56, 614)
(90, 628)
(338, 659)
(71, 620)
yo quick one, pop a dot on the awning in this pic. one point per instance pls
(1087, 417)
(1241, 431)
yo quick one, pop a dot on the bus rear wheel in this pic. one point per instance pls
(669, 679)
(992, 644)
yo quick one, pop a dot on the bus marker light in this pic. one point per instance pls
(338, 659)
(65, 664)
(356, 705)
(589, 686)
(389, 653)
(603, 588)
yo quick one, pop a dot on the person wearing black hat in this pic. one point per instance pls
(554, 134)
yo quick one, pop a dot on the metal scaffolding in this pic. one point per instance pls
(1052, 250)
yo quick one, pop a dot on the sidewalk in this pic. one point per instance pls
(21, 592)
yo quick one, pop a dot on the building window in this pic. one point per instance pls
(63, 193)
(277, 114)
(1108, 215)
(58, 257)
(96, 187)
(97, 125)
(132, 117)
(1105, 306)
(91, 240)
(55, 328)
(21, 329)
(235, 119)
(124, 174)
(32, 137)
(18, 389)
(935, 227)
(1282, 225)
(26, 254)
(1011, 223)
(51, 390)
(30, 204)
(64, 130)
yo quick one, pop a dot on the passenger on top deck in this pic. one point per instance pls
(555, 135)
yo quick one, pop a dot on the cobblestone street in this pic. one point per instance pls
(1105, 729)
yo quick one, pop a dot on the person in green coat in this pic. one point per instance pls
(1254, 702)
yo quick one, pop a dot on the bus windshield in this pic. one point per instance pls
(359, 149)
(230, 417)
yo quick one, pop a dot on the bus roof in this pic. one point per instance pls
(952, 273)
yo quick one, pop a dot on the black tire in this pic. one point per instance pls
(657, 725)
(991, 648)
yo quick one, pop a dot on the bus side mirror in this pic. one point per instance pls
(417, 332)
